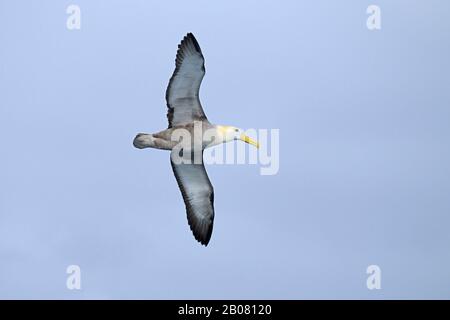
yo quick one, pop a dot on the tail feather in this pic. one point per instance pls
(143, 140)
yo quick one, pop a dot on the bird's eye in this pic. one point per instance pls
(237, 130)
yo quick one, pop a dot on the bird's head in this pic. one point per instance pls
(230, 133)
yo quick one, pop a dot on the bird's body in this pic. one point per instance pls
(186, 138)
(165, 139)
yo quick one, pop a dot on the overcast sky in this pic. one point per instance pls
(364, 174)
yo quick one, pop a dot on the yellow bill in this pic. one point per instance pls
(249, 140)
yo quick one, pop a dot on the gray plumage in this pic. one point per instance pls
(185, 112)
(183, 103)
(182, 98)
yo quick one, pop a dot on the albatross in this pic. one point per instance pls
(185, 115)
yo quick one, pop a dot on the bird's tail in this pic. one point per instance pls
(143, 140)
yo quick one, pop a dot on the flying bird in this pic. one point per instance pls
(186, 115)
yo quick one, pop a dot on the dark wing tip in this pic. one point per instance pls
(202, 230)
(191, 37)
(188, 46)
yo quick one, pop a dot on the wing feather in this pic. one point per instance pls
(198, 196)
(182, 94)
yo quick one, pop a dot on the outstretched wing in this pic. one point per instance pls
(198, 196)
(182, 92)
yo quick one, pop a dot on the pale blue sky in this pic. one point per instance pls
(364, 153)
